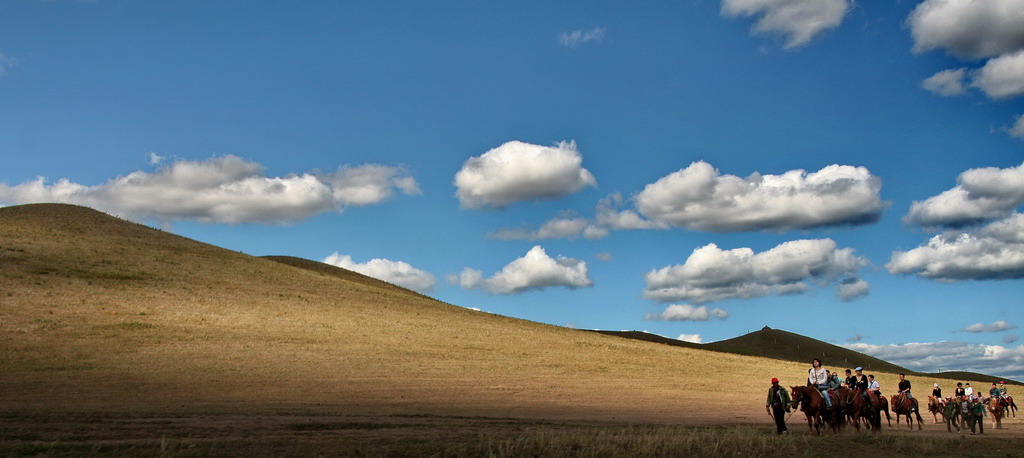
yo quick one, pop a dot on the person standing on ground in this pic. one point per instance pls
(778, 405)
(978, 416)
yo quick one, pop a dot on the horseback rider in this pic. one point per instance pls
(904, 388)
(960, 392)
(874, 386)
(834, 383)
(850, 381)
(817, 377)
(937, 392)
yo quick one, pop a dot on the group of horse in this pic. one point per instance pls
(851, 407)
(951, 411)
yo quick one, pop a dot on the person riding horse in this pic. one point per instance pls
(904, 388)
(817, 377)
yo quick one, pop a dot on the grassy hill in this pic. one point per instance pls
(103, 315)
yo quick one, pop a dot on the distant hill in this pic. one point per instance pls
(788, 346)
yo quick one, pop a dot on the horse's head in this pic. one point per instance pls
(796, 394)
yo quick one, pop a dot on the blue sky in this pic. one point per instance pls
(849, 171)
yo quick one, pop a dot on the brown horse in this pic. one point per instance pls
(905, 405)
(935, 407)
(997, 410)
(858, 408)
(813, 406)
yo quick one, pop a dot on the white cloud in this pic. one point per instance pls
(997, 326)
(972, 30)
(712, 274)
(947, 82)
(564, 227)
(995, 251)
(699, 198)
(980, 194)
(368, 184)
(224, 189)
(950, 356)
(517, 171)
(692, 338)
(968, 29)
(797, 20)
(1002, 77)
(852, 288)
(155, 159)
(577, 38)
(610, 216)
(535, 270)
(687, 312)
(1017, 130)
(395, 272)
(604, 256)
(6, 63)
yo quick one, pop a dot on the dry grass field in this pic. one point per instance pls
(119, 338)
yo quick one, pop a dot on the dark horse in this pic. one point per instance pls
(813, 406)
(870, 409)
(905, 405)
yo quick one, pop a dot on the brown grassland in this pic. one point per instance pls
(116, 338)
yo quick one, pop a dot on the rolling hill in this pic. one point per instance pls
(103, 315)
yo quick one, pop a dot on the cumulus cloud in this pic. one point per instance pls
(947, 82)
(224, 189)
(1017, 129)
(968, 29)
(564, 227)
(368, 184)
(394, 272)
(711, 274)
(687, 312)
(571, 226)
(997, 326)
(611, 216)
(517, 171)
(852, 288)
(692, 338)
(950, 356)
(699, 197)
(973, 30)
(796, 20)
(980, 194)
(577, 38)
(1002, 77)
(994, 251)
(534, 271)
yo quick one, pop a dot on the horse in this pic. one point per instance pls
(905, 405)
(882, 406)
(1010, 405)
(997, 410)
(936, 407)
(857, 407)
(813, 406)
